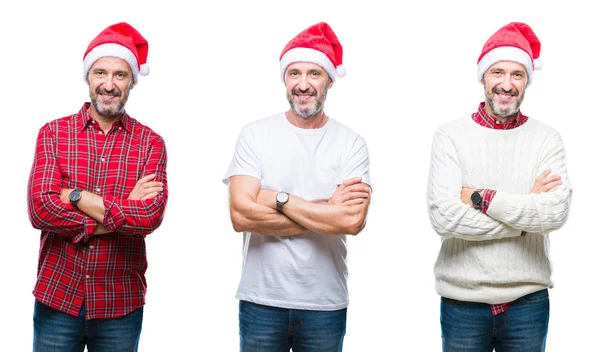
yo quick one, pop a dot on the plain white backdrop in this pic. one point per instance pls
(214, 67)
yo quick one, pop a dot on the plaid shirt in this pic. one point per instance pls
(486, 120)
(106, 271)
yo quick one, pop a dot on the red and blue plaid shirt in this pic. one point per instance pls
(75, 266)
(486, 120)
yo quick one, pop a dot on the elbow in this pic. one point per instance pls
(355, 225)
(239, 222)
(36, 212)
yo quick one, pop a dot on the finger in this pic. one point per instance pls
(544, 174)
(355, 195)
(359, 187)
(152, 190)
(150, 196)
(353, 202)
(352, 181)
(551, 185)
(550, 179)
(146, 178)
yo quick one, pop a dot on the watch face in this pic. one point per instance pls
(75, 195)
(476, 198)
(282, 197)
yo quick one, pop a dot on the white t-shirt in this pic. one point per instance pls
(306, 271)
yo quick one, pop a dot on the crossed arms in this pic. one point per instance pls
(544, 209)
(49, 208)
(254, 209)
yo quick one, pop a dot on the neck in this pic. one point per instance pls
(502, 119)
(105, 122)
(317, 120)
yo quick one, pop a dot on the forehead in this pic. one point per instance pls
(508, 66)
(110, 63)
(305, 66)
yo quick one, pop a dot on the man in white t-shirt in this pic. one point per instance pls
(498, 186)
(299, 183)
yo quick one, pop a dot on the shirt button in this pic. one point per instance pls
(103, 159)
(119, 127)
(87, 276)
(97, 190)
(92, 247)
(99, 132)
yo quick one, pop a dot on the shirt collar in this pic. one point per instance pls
(85, 119)
(489, 121)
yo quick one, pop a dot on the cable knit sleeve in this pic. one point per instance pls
(538, 213)
(449, 216)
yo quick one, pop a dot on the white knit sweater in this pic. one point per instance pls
(483, 257)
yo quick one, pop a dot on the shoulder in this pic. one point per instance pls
(345, 131)
(142, 131)
(452, 127)
(60, 124)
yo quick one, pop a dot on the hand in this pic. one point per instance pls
(351, 192)
(465, 195)
(145, 188)
(64, 195)
(545, 183)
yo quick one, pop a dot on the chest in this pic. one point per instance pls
(102, 163)
(306, 165)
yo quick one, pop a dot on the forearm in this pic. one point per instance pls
(48, 213)
(451, 218)
(254, 217)
(325, 219)
(537, 213)
(134, 217)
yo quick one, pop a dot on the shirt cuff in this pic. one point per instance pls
(487, 196)
(113, 214)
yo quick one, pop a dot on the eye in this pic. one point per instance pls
(99, 73)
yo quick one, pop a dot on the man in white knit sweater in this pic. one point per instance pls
(497, 187)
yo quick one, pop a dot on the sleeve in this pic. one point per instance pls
(46, 211)
(448, 215)
(140, 217)
(245, 159)
(356, 162)
(538, 213)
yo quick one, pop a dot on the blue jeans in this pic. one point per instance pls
(468, 326)
(55, 331)
(273, 329)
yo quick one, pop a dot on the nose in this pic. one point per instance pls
(109, 83)
(506, 84)
(303, 85)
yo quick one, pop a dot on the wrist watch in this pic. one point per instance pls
(74, 197)
(281, 199)
(476, 199)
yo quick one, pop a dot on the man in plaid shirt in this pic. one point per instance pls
(97, 187)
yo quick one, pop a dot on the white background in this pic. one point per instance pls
(214, 67)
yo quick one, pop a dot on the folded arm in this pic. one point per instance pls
(539, 212)
(344, 214)
(46, 210)
(449, 216)
(247, 214)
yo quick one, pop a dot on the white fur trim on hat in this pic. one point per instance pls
(307, 55)
(113, 50)
(505, 53)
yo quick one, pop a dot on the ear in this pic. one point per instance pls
(330, 83)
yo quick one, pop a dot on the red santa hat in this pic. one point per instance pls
(513, 42)
(120, 40)
(317, 44)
